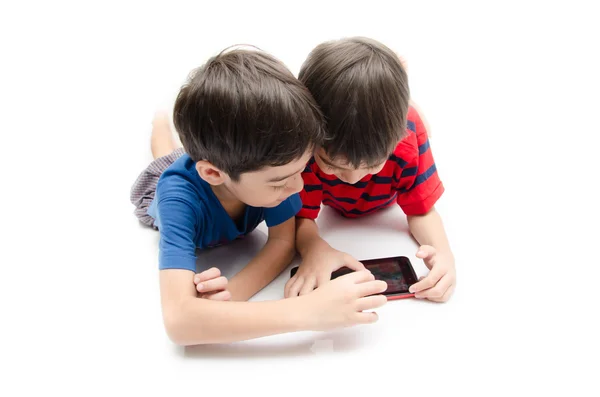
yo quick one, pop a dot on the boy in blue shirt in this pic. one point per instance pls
(248, 128)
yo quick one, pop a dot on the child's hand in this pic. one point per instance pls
(341, 302)
(211, 285)
(439, 284)
(316, 269)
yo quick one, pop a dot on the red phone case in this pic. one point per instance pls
(399, 296)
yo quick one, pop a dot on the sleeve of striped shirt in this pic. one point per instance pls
(311, 195)
(419, 187)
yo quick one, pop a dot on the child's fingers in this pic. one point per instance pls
(309, 285)
(288, 285)
(371, 288)
(438, 290)
(216, 284)
(370, 302)
(358, 277)
(353, 264)
(448, 294)
(444, 297)
(429, 281)
(366, 318)
(295, 288)
(220, 296)
(211, 273)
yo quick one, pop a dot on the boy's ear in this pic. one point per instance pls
(210, 173)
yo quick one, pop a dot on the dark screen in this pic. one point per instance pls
(396, 272)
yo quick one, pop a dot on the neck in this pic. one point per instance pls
(232, 205)
(227, 199)
(224, 195)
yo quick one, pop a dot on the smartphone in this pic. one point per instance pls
(397, 272)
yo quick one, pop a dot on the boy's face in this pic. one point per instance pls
(269, 186)
(344, 171)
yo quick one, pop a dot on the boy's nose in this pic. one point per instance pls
(351, 177)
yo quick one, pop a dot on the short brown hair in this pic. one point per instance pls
(244, 110)
(362, 90)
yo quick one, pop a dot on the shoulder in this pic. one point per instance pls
(416, 134)
(415, 122)
(311, 171)
(311, 166)
(180, 180)
(181, 186)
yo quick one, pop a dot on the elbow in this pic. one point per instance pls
(176, 332)
(180, 329)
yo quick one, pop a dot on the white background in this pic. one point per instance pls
(511, 93)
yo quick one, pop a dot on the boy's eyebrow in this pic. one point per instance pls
(281, 178)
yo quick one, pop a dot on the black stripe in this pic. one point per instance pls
(398, 160)
(423, 148)
(364, 196)
(420, 179)
(310, 162)
(382, 180)
(355, 211)
(311, 207)
(312, 188)
(424, 176)
(335, 182)
(409, 172)
(333, 205)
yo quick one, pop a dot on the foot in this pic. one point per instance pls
(162, 141)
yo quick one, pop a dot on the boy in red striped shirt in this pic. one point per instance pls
(377, 154)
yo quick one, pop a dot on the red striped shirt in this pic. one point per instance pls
(409, 178)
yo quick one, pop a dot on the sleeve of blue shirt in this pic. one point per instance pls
(178, 227)
(284, 211)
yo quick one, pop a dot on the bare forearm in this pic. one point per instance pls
(269, 263)
(307, 236)
(201, 321)
(428, 229)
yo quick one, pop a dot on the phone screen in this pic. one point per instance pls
(397, 272)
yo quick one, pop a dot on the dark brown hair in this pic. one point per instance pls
(362, 90)
(244, 110)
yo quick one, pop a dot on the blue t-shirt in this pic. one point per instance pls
(190, 216)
